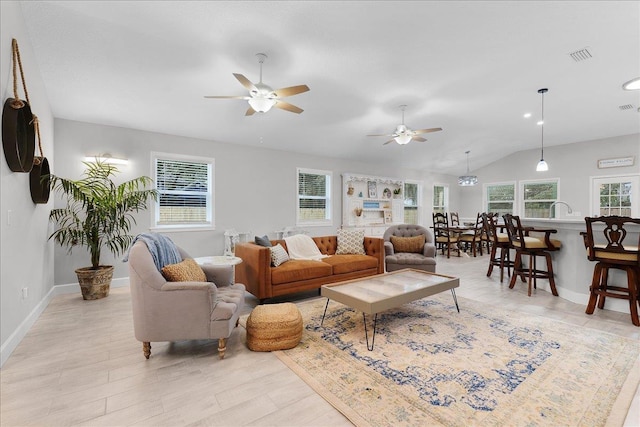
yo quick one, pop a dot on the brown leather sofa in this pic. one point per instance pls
(295, 275)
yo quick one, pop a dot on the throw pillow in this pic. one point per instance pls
(413, 244)
(184, 271)
(278, 255)
(350, 241)
(263, 241)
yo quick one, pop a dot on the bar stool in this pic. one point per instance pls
(608, 250)
(533, 247)
(497, 240)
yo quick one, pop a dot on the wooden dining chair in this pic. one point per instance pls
(609, 249)
(454, 218)
(473, 238)
(445, 238)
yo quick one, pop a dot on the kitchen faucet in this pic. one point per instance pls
(569, 210)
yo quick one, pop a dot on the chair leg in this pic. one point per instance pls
(517, 265)
(492, 256)
(595, 285)
(552, 281)
(222, 347)
(146, 349)
(532, 261)
(632, 280)
(604, 283)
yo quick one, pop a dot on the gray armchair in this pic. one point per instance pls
(175, 311)
(424, 258)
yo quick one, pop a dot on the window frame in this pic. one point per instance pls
(485, 195)
(328, 221)
(210, 197)
(418, 202)
(521, 200)
(445, 208)
(594, 196)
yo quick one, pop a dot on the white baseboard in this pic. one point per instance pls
(16, 337)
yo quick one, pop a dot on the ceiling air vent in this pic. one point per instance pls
(581, 55)
(626, 107)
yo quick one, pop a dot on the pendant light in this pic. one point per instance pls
(542, 165)
(467, 180)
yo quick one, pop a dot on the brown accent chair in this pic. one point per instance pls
(176, 311)
(423, 260)
(609, 251)
(524, 244)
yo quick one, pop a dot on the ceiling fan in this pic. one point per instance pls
(262, 97)
(403, 135)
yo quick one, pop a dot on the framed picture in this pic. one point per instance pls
(373, 189)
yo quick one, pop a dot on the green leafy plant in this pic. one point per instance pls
(98, 213)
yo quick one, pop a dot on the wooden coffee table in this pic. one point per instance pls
(375, 294)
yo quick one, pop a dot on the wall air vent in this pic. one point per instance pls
(581, 55)
(626, 107)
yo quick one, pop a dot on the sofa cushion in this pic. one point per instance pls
(263, 241)
(278, 255)
(299, 269)
(413, 244)
(184, 271)
(349, 263)
(350, 241)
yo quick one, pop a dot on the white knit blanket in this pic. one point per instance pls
(302, 246)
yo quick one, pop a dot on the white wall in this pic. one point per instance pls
(26, 257)
(573, 164)
(255, 188)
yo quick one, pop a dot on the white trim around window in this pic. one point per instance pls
(486, 201)
(313, 197)
(186, 196)
(410, 204)
(444, 207)
(522, 202)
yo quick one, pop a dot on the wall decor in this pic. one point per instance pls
(18, 129)
(373, 189)
(616, 163)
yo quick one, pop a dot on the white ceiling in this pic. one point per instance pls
(472, 68)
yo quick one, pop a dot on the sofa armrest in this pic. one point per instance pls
(429, 250)
(388, 248)
(374, 246)
(255, 269)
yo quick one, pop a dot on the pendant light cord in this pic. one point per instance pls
(542, 129)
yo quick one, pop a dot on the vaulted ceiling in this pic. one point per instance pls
(472, 68)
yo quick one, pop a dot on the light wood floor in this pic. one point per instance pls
(81, 365)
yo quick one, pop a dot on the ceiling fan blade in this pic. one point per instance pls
(229, 97)
(292, 90)
(419, 131)
(289, 107)
(250, 111)
(389, 141)
(418, 138)
(381, 135)
(245, 82)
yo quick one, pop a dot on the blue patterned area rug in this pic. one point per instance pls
(483, 366)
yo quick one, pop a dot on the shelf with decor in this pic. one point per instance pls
(371, 202)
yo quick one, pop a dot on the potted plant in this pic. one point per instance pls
(397, 193)
(98, 214)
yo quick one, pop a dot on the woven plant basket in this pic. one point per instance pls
(95, 284)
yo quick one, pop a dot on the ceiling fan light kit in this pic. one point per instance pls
(403, 135)
(542, 165)
(467, 180)
(262, 97)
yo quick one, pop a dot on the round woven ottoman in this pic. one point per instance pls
(274, 327)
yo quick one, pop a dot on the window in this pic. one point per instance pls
(500, 198)
(616, 195)
(411, 203)
(314, 197)
(185, 191)
(440, 198)
(537, 197)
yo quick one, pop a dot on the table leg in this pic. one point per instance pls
(455, 299)
(366, 334)
(325, 312)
